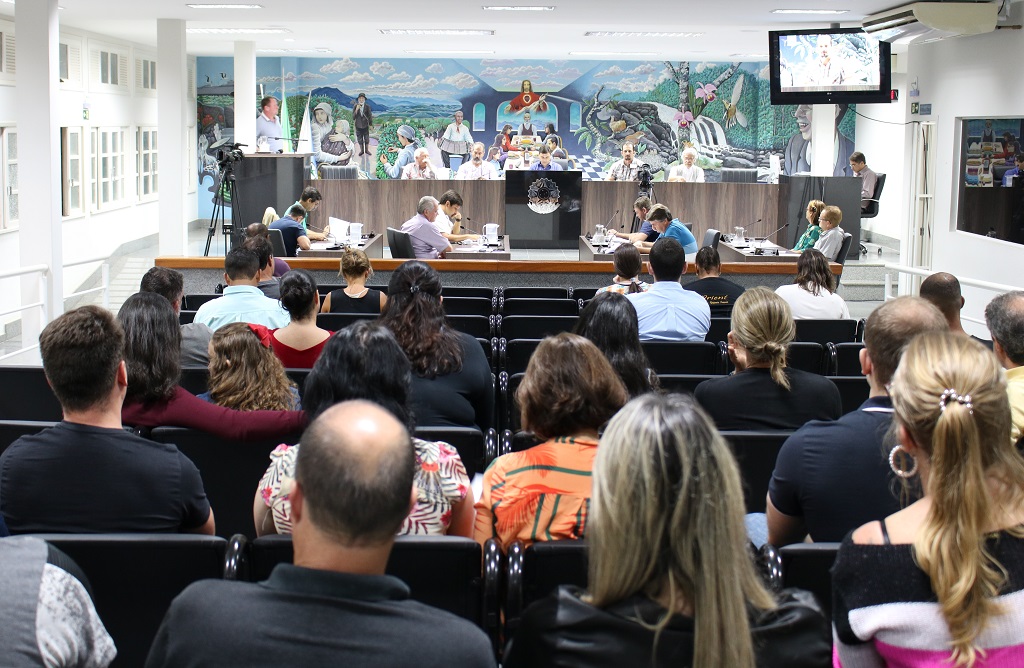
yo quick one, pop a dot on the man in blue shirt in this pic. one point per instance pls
(292, 230)
(544, 163)
(242, 300)
(662, 221)
(1010, 173)
(641, 207)
(667, 312)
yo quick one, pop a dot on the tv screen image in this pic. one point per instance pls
(828, 66)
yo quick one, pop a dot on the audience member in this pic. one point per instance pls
(567, 394)
(420, 167)
(662, 221)
(812, 296)
(609, 322)
(939, 583)
(831, 477)
(641, 207)
(628, 267)
(449, 218)
(355, 297)
(47, 617)
(477, 169)
(1004, 316)
(720, 293)
(155, 399)
(427, 241)
(87, 474)
(263, 230)
(244, 373)
(830, 241)
(363, 361)
(267, 283)
(242, 301)
(667, 312)
(765, 393)
(451, 383)
(813, 231)
(195, 336)
(353, 483)
(299, 343)
(868, 179)
(688, 171)
(293, 230)
(671, 579)
(943, 290)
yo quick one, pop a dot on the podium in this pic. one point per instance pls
(267, 179)
(556, 225)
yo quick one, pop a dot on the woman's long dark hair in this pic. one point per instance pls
(152, 346)
(610, 322)
(298, 287)
(813, 273)
(415, 316)
(628, 264)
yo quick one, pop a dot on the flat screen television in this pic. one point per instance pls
(829, 66)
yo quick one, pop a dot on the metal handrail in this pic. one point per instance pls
(43, 271)
(972, 282)
(22, 271)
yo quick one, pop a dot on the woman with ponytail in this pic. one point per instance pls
(628, 267)
(764, 393)
(942, 581)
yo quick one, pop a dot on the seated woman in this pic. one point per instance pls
(494, 157)
(543, 493)
(245, 374)
(764, 393)
(671, 580)
(810, 236)
(300, 342)
(628, 267)
(363, 361)
(451, 384)
(812, 296)
(154, 398)
(609, 321)
(941, 582)
(355, 297)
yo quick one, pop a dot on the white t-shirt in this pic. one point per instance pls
(443, 223)
(805, 306)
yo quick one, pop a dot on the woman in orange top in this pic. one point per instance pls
(569, 391)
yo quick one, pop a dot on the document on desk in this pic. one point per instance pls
(339, 227)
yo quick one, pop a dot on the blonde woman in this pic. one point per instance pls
(355, 297)
(810, 236)
(245, 375)
(941, 582)
(671, 578)
(765, 393)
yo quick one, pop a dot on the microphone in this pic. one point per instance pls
(753, 225)
(466, 229)
(773, 234)
(610, 218)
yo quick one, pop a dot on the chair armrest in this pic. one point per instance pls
(514, 587)
(236, 558)
(493, 559)
(490, 447)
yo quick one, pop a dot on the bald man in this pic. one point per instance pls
(943, 290)
(334, 606)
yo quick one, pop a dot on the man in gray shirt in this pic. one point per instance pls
(269, 285)
(195, 337)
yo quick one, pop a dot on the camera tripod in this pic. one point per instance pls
(226, 194)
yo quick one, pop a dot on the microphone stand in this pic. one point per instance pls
(773, 234)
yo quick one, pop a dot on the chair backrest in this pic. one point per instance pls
(808, 356)
(470, 442)
(756, 452)
(479, 326)
(584, 294)
(455, 161)
(195, 379)
(871, 210)
(135, 577)
(711, 238)
(535, 293)
(515, 355)
(720, 327)
(27, 395)
(467, 291)
(193, 302)
(738, 175)
(298, 376)
(186, 317)
(12, 430)
(688, 357)
(682, 383)
(826, 331)
(231, 472)
(508, 408)
(336, 321)
(468, 305)
(562, 162)
(277, 243)
(809, 566)
(400, 244)
(844, 250)
(853, 391)
(539, 306)
(536, 571)
(535, 326)
(339, 171)
(848, 359)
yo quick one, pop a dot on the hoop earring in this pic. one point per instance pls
(901, 473)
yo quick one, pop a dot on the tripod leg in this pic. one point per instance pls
(218, 213)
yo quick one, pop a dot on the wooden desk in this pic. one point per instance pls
(495, 253)
(374, 248)
(745, 253)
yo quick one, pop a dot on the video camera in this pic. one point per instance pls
(230, 154)
(645, 177)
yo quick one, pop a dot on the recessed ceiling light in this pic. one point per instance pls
(320, 50)
(625, 54)
(225, 6)
(810, 11)
(418, 31)
(612, 33)
(450, 52)
(518, 8)
(236, 31)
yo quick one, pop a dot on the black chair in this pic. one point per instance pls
(720, 327)
(135, 577)
(195, 379)
(508, 409)
(517, 442)
(535, 571)
(738, 175)
(853, 391)
(468, 306)
(186, 317)
(539, 306)
(334, 322)
(809, 356)
(490, 348)
(514, 355)
(826, 331)
(193, 302)
(872, 208)
(480, 326)
(277, 243)
(298, 376)
(685, 357)
(711, 238)
(848, 359)
(844, 250)
(400, 244)
(683, 383)
(535, 293)
(462, 291)
(476, 448)
(231, 471)
(27, 396)
(809, 566)
(12, 430)
(535, 326)
(756, 452)
(584, 294)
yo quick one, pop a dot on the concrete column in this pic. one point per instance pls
(823, 142)
(246, 100)
(39, 181)
(172, 133)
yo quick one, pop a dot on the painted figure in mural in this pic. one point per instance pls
(407, 138)
(527, 100)
(456, 140)
(268, 125)
(527, 129)
(688, 171)
(420, 168)
(989, 134)
(339, 144)
(322, 131)
(626, 169)
(798, 150)
(362, 118)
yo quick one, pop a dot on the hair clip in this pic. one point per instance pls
(262, 333)
(413, 289)
(962, 399)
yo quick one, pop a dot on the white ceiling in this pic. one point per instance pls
(349, 27)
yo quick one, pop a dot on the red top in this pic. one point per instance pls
(293, 358)
(184, 409)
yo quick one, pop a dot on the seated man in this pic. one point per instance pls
(641, 207)
(1004, 316)
(335, 606)
(943, 290)
(667, 312)
(832, 477)
(242, 300)
(628, 168)
(87, 474)
(720, 293)
(662, 221)
(268, 284)
(543, 162)
(260, 230)
(309, 200)
(195, 336)
(420, 167)
(477, 168)
(868, 179)
(427, 241)
(449, 218)
(293, 230)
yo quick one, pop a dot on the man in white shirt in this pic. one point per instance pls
(449, 218)
(477, 168)
(427, 241)
(626, 169)
(269, 125)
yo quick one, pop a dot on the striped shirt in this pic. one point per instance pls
(538, 494)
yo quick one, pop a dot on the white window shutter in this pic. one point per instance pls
(9, 52)
(122, 71)
(138, 74)
(74, 63)
(94, 68)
